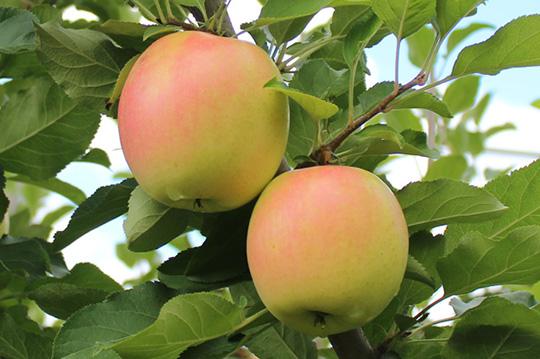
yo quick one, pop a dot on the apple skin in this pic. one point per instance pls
(198, 129)
(327, 248)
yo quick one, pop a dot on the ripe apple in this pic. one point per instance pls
(327, 248)
(198, 129)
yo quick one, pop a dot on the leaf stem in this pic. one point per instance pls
(288, 64)
(430, 324)
(144, 11)
(168, 8)
(161, 15)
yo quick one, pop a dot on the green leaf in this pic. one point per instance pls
(344, 18)
(121, 316)
(121, 81)
(420, 44)
(450, 12)
(12, 339)
(316, 108)
(45, 13)
(127, 34)
(184, 321)
(510, 190)
(316, 77)
(536, 103)
(457, 36)
(17, 29)
(104, 205)
(213, 349)
(220, 260)
(477, 113)
(65, 189)
(85, 284)
(430, 346)
(21, 226)
(28, 255)
(150, 224)
(452, 167)
(461, 94)
(517, 44)
(358, 37)
(430, 204)
(84, 62)
(97, 156)
(285, 31)
(383, 140)
(4, 201)
(404, 17)
(372, 97)
(278, 341)
(106, 9)
(423, 100)
(426, 249)
(154, 31)
(480, 262)
(55, 215)
(302, 132)
(279, 10)
(401, 120)
(43, 130)
(416, 271)
(522, 297)
(496, 329)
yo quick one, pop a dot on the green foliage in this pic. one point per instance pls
(59, 76)
(404, 17)
(43, 129)
(17, 28)
(506, 49)
(106, 204)
(316, 108)
(430, 204)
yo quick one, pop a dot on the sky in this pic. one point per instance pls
(513, 90)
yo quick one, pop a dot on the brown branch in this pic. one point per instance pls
(325, 152)
(352, 345)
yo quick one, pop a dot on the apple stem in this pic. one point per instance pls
(352, 345)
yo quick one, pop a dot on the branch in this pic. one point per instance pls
(352, 345)
(324, 153)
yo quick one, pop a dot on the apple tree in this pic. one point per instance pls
(206, 122)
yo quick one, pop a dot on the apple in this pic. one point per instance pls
(327, 248)
(197, 127)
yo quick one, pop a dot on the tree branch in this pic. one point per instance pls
(324, 153)
(352, 345)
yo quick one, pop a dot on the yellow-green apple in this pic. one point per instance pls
(197, 127)
(327, 248)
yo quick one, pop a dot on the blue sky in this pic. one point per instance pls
(518, 86)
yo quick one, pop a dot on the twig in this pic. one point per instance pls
(352, 345)
(324, 153)
(429, 306)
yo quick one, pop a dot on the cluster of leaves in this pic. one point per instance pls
(60, 77)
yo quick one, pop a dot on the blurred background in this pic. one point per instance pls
(489, 144)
